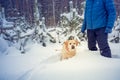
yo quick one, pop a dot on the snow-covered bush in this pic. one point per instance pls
(116, 32)
(3, 46)
(71, 22)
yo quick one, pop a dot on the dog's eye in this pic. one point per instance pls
(70, 43)
(74, 43)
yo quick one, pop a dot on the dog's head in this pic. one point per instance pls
(71, 44)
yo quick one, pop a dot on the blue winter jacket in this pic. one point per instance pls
(98, 14)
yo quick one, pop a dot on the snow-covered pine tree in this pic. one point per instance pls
(71, 22)
(116, 31)
(5, 26)
(16, 33)
(40, 33)
(43, 36)
(23, 31)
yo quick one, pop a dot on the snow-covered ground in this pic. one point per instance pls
(43, 63)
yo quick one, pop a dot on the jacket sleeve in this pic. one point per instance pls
(84, 22)
(111, 12)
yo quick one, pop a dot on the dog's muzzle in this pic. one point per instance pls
(73, 47)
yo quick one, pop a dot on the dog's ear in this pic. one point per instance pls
(66, 43)
(77, 42)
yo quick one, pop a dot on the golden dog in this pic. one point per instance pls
(69, 49)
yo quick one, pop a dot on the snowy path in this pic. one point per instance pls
(27, 75)
(85, 63)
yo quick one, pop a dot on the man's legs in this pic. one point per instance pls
(91, 40)
(102, 39)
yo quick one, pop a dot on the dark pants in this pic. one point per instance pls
(99, 36)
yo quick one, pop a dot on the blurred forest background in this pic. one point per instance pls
(50, 9)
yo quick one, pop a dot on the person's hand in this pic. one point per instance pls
(83, 31)
(108, 30)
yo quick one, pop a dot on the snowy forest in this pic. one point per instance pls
(19, 31)
(32, 33)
